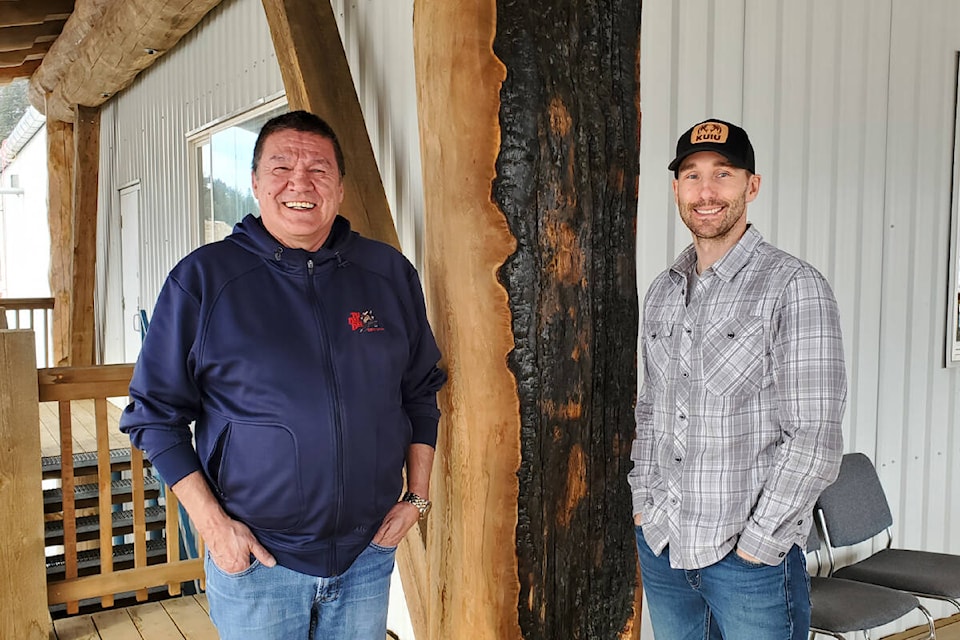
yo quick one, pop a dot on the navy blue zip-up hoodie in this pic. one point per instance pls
(308, 375)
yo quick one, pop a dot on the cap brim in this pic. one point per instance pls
(734, 160)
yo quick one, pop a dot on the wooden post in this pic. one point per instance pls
(60, 218)
(529, 140)
(471, 553)
(86, 171)
(23, 585)
(317, 78)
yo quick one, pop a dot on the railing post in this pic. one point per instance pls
(23, 586)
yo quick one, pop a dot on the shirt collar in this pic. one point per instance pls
(730, 264)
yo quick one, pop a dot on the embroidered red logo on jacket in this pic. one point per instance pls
(364, 322)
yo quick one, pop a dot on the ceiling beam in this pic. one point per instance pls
(19, 14)
(9, 74)
(15, 38)
(18, 57)
(106, 43)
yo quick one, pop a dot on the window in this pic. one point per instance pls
(221, 154)
(953, 326)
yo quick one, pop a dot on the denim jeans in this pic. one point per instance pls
(731, 599)
(264, 603)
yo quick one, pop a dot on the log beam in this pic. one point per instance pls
(104, 45)
(317, 78)
(86, 171)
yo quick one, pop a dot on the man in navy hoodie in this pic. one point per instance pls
(302, 354)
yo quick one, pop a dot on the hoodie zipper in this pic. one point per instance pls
(335, 394)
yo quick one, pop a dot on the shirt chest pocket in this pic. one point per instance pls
(733, 356)
(657, 341)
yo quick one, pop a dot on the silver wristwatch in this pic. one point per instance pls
(422, 504)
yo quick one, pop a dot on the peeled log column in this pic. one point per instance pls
(530, 190)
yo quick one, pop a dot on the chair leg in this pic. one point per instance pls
(932, 635)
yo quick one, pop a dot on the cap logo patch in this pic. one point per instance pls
(709, 132)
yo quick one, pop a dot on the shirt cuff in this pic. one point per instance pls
(767, 550)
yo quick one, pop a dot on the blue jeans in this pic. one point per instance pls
(276, 603)
(731, 599)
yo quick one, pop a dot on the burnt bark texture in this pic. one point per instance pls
(566, 181)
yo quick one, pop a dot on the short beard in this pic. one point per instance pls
(735, 210)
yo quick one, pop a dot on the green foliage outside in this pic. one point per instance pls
(13, 104)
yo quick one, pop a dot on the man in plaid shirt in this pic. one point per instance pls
(739, 417)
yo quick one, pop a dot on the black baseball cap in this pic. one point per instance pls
(726, 139)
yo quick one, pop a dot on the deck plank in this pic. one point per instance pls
(191, 618)
(115, 624)
(153, 622)
(76, 628)
(84, 429)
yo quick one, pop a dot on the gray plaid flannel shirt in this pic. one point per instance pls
(739, 417)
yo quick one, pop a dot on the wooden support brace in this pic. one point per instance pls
(317, 78)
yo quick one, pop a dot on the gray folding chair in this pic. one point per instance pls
(854, 509)
(839, 606)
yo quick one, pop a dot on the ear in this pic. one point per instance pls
(254, 185)
(753, 187)
(676, 193)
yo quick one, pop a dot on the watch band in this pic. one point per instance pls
(422, 504)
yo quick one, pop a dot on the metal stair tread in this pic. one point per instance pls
(120, 487)
(84, 462)
(91, 524)
(90, 559)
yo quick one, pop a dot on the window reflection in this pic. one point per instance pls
(223, 161)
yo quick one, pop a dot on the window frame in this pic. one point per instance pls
(201, 136)
(952, 342)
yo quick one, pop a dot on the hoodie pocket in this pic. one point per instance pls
(258, 475)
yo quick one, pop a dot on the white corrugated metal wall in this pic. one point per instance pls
(224, 67)
(850, 107)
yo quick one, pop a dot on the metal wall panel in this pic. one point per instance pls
(918, 450)
(850, 107)
(224, 67)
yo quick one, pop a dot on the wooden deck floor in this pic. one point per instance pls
(84, 427)
(183, 618)
(947, 629)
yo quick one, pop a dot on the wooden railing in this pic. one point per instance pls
(66, 384)
(22, 502)
(35, 314)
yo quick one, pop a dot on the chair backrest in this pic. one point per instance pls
(854, 507)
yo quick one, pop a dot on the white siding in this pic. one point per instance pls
(224, 67)
(850, 107)
(24, 235)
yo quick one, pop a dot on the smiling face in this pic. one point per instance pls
(712, 197)
(299, 188)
